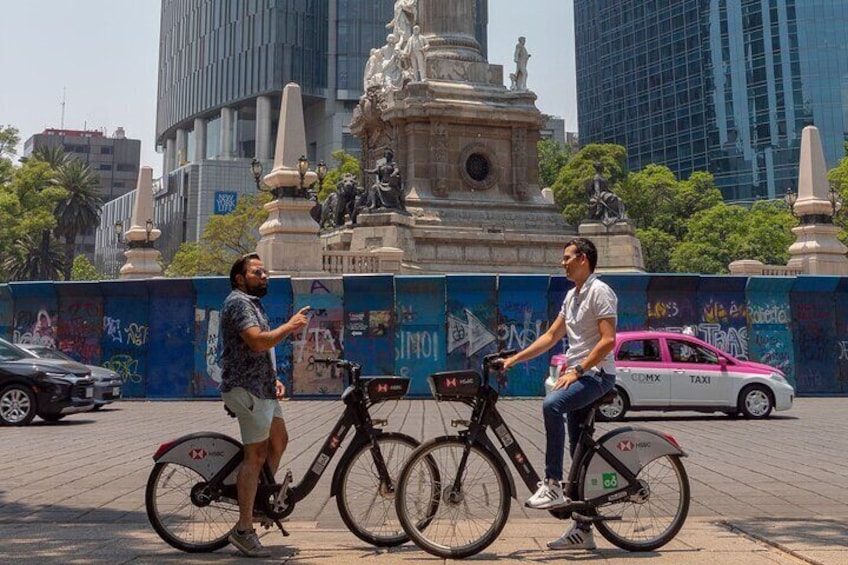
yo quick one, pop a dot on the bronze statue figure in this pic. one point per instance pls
(604, 204)
(387, 191)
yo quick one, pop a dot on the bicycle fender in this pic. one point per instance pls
(204, 452)
(634, 447)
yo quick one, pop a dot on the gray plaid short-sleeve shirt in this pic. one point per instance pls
(242, 367)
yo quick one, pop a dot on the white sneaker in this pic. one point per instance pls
(575, 538)
(549, 495)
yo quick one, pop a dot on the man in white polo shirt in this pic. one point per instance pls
(588, 317)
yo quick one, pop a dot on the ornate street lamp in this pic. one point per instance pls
(119, 231)
(256, 169)
(321, 171)
(791, 199)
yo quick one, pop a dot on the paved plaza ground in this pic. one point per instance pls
(771, 491)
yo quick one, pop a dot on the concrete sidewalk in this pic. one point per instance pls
(700, 542)
(763, 492)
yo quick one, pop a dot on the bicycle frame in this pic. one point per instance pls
(356, 414)
(485, 415)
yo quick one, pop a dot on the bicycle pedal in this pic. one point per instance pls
(593, 519)
(379, 422)
(457, 423)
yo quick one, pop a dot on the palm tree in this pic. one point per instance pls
(33, 259)
(79, 212)
(54, 156)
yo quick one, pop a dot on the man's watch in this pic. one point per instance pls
(578, 368)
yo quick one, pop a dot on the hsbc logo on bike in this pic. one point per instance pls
(382, 388)
(450, 383)
(199, 454)
(626, 445)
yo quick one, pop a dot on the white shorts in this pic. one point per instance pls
(254, 414)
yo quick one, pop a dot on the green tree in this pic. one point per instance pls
(83, 270)
(569, 189)
(723, 234)
(27, 203)
(345, 163)
(225, 238)
(838, 178)
(8, 149)
(552, 158)
(79, 212)
(657, 247)
(647, 193)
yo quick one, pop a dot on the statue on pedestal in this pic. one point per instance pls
(604, 204)
(405, 15)
(340, 203)
(521, 56)
(387, 191)
(414, 51)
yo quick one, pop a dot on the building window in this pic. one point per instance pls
(105, 150)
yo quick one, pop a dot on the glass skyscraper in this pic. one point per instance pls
(717, 85)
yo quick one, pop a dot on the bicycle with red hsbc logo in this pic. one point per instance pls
(191, 495)
(453, 493)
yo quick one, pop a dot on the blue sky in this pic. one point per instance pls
(104, 54)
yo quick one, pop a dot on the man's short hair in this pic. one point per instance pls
(240, 266)
(587, 248)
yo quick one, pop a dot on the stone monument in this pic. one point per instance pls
(816, 250)
(466, 149)
(142, 256)
(289, 243)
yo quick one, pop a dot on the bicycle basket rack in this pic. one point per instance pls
(454, 385)
(380, 389)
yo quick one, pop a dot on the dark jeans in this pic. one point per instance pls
(571, 402)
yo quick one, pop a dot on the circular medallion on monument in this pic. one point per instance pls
(478, 167)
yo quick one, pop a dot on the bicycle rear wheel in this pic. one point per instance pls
(177, 517)
(443, 522)
(366, 505)
(652, 518)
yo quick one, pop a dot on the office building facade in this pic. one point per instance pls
(114, 159)
(714, 85)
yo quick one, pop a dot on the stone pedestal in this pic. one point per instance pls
(817, 250)
(619, 250)
(142, 263)
(290, 244)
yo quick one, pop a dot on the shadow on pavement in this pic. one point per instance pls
(798, 534)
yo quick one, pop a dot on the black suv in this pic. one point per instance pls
(30, 387)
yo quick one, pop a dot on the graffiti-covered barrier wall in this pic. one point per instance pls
(161, 335)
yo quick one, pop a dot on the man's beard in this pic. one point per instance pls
(257, 291)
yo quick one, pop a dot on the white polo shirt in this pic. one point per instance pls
(596, 301)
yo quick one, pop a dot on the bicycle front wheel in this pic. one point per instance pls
(180, 514)
(451, 522)
(651, 518)
(366, 504)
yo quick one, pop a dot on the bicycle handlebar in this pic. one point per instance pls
(350, 367)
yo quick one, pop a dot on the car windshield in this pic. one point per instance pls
(11, 352)
(49, 353)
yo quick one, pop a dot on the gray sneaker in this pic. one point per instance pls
(248, 543)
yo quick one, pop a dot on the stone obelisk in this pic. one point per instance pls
(816, 250)
(142, 257)
(290, 244)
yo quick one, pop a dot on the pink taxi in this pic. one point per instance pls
(671, 371)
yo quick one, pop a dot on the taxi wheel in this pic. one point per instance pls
(614, 412)
(755, 401)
